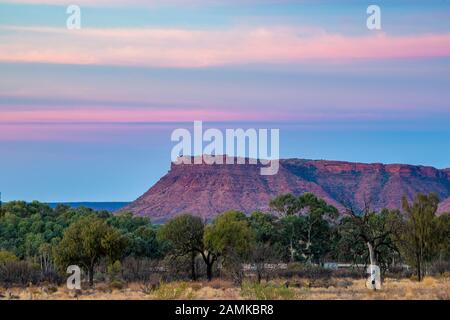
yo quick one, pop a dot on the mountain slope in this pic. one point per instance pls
(444, 206)
(378, 185)
(207, 190)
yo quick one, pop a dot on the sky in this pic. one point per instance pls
(87, 114)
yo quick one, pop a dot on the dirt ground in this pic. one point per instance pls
(429, 288)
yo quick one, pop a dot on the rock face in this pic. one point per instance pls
(207, 190)
(444, 206)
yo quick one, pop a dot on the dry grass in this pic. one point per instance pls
(335, 289)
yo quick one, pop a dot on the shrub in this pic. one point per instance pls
(19, 273)
(140, 269)
(266, 291)
(52, 276)
(440, 268)
(7, 256)
(398, 272)
(116, 284)
(173, 291)
(150, 286)
(218, 283)
(353, 273)
(305, 271)
(178, 268)
(114, 270)
(100, 277)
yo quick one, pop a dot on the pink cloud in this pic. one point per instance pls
(127, 115)
(202, 48)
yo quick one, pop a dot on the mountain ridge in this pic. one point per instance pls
(207, 190)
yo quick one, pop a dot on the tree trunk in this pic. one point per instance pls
(209, 270)
(91, 276)
(291, 249)
(373, 260)
(418, 266)
(259, 271)
(308, 245)
(209, 260)
(194, 276)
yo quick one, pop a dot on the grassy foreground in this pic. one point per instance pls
(429, 288)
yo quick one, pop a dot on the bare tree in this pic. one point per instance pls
(376, 230)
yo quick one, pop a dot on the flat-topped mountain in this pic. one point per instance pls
(207, 190)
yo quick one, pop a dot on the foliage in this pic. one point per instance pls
(140, 234)
(173, 291)
(31, 231)
(6, 257)
(36, 239)
(443, 233)
(229, 232)
(184, 235)
(19, 273)
(88, 240)
(307, 226)
(369, 232)
(285, 204)
(266, 291)
(265, 227)
(421, 235)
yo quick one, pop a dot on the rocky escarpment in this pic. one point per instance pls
(207, 190)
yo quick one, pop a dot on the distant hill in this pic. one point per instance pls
(110, 206)
(207, 190)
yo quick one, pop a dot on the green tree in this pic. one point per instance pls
(285, 205)
(268, 246)
(265, 227)
(229, 236)
(291, 229)
(319, 219)
(140, 233)
(86, 242)
(443, 225)
(419, 239)
(309, 232)
(184, 234)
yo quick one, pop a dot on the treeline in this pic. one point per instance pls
(38, 243)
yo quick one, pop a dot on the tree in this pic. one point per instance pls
(292, 227)
(374, 230)
(310, 233)
(265, 227)
(86, 242)
(285, 205)
(184, 234)
(229, 236)
(268, 242)
(419, 239)
(140, 233)
(318, 219)
(443, 225)
(261, 255)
